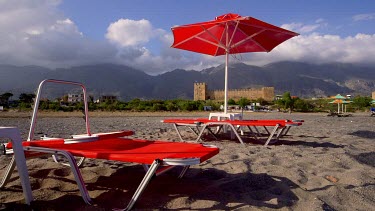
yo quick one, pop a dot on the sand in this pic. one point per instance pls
(328, 163)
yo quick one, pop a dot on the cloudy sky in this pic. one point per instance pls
(64, 33)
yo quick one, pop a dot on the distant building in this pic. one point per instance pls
(373, 95)
(75, 98)
(107, 98)
(201, 92)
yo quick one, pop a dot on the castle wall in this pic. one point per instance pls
(267, 93)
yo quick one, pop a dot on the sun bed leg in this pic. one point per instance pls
(256, 129)
(77, 176)
(8, 172)
(239, 128)
(194, 130)
(252, 133)
(73, 166)
(79, 163)
(265, 128)
(145, 167)
(278, 135)
(20, 160)
(212, 133)
(201, 133)
(184, 170)
(197, 127)
(161, 171)
(272, 134)
(235, 132)
(286, 131)
(142, 186)
(178, 132)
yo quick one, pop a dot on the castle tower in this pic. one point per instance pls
(268, 93)
(200, 91)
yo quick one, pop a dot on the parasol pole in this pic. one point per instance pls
(226, 83)
(226, 71)
(342, 107)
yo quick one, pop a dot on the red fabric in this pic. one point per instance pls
(245, 34)
(46, 143)
(61, 140)
(115, 134)
(129, 150)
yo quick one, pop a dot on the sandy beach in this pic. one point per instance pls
(328, 163)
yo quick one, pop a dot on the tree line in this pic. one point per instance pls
(286, 104)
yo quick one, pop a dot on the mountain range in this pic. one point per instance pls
(300, 79)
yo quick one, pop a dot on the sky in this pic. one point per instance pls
(65, 33)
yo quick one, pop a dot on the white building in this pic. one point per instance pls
(75, 98)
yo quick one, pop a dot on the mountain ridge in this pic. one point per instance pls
(299, 78)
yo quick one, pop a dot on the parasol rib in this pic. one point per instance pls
(190, 38)
(250, 38)
(231, 39)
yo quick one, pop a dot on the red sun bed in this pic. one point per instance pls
(157, 156)
(199, 125)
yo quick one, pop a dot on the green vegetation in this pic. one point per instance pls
(286, 104)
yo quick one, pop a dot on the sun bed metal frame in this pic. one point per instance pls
(12, 164)
(236, 126)
(158, 166)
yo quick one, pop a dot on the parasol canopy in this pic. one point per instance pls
(229, 34)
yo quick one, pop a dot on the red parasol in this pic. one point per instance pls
(229, 34)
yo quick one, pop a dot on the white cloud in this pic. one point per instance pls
(362, 17)
(317, 48)
(305, 28)
(127, 32)
(36, 32)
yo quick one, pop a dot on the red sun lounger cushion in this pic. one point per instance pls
(130, 150)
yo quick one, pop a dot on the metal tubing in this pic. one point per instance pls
(252, 133)
(20, 160)
(280, 131)
(271, 135)
(286, 131)
(256, 129)
(142, 186)
(267, 131)
(8, 172)
(163, 170)
(37, 100)
(221, 124)
(79, 163)
(178, 132)
(73, 166)
(201, 133)
(184, 170)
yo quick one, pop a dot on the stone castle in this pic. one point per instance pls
(201, 92)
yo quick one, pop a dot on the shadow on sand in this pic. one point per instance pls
(367, 158)
(363, 134)
(216, 188)
(282, 141)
